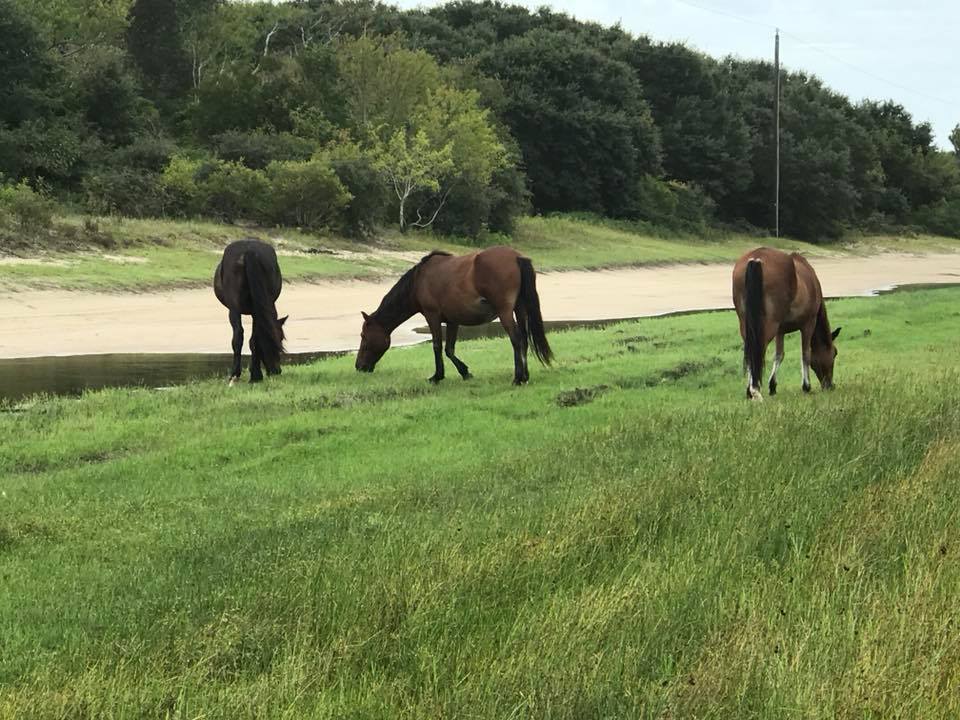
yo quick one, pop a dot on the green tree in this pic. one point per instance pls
(585, 131)
(411, 163)
(72, 24)
(383, 83)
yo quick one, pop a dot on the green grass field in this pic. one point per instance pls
(142, 255)
(625, 537)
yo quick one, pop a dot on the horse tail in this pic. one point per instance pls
(267, 329)
(528, 303)
(753, 347)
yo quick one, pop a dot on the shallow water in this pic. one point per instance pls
(71, 375)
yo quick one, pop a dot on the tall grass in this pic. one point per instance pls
(625, 537)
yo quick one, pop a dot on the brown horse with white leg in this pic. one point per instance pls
(462, 290)
(776, 293)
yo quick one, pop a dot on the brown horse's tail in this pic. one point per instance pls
(753, 347)
(267, 328)
(528, 303)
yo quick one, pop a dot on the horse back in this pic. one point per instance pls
(779, 280)
(472, 288)
(230, 279)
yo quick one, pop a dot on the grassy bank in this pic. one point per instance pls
(625, 537)
(137, 255)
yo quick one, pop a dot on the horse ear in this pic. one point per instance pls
(283, 320)
(365, 316)
(835, 333)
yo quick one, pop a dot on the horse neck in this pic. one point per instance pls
(392, 314)
(821, 332)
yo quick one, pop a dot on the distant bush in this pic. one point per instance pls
(145, 152)
(305, 194)
(365, 185)
(179, 184)
(941, 218)
(258, 149)
(674, 205)
(225, 190)
(127, 191)
(474, 210)
(232, 191)
(24, 207)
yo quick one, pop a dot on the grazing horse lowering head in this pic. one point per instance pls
(374, 342)
(823, 355)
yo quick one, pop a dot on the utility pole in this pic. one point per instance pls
(776, 113)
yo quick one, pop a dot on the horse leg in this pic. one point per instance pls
(452, 330)
(237, 344)
(513, 332)
(777, 359)
(524, 342)
(433, 320)
(256, 374)
(806, 337)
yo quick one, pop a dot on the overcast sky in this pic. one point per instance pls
(906, 50)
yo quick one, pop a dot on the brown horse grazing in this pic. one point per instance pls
(247, 281)
(462, 290)
(775, 294)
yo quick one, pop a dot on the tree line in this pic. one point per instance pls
(353, 114)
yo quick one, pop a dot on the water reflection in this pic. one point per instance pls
(73, 374)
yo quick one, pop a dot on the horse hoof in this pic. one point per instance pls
(806, 388)
(232, 381)
(773, 389)
(754, 395)
(256, 379)
(434, 380)
(467, 376)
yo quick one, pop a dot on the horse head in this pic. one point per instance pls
(374, 342)
(823, 356)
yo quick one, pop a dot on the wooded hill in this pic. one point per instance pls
(352, 115)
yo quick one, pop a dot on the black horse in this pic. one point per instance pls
(247, 281)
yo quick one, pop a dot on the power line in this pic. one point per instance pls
(868, 73)
(816, 48)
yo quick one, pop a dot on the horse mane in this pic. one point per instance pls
(398, 295)
(821, 331)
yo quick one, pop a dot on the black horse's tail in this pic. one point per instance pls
(753, 347)
(528, 303)
(267, 328)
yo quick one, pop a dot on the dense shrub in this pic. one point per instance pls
(942, 218)
(257, 149)
(25, 208)
(369, 196)
(472, 208)
(225, 190)
(675, 205)
(125, 191)
(305, 194)
(179, 184)
(146, 152)
(232, 191)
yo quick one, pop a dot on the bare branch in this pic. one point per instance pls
(266, 44)
(443, 200)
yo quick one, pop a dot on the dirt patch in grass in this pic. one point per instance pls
(580, 396)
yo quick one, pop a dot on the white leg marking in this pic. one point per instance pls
(753, 392)
(777, 359)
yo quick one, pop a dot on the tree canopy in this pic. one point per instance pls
(478, 110)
